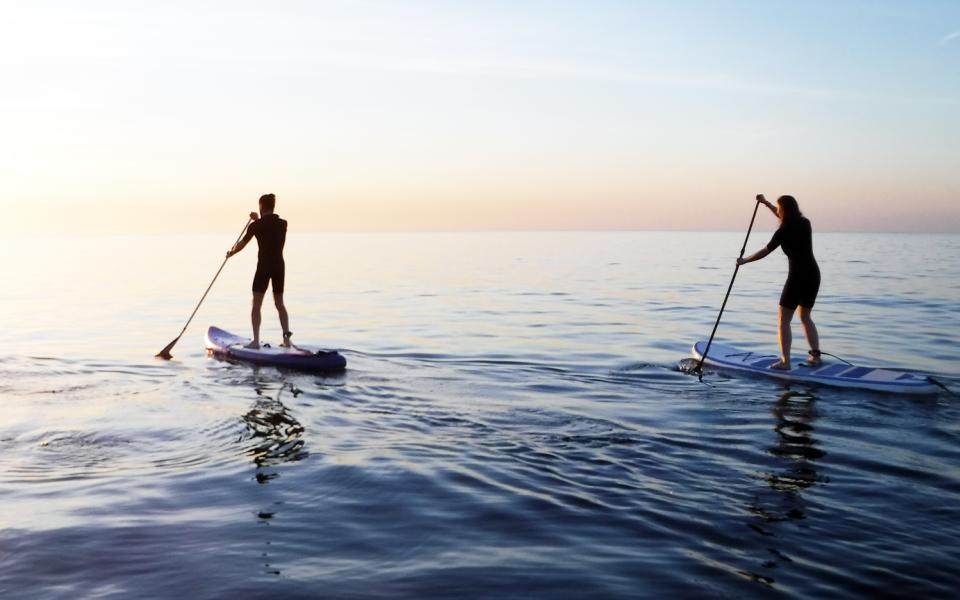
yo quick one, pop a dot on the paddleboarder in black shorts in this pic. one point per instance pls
(271, 233)
(795, 237)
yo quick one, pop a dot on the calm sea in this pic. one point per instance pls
(511, 424)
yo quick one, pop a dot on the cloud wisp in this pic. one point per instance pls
(950, 37)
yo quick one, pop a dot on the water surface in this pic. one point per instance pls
(511, 423)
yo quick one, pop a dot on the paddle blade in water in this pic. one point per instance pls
(165, 353)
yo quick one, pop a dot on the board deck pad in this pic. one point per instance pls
(833, 374)
(223, 344)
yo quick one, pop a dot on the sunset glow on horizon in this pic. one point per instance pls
(384, 116)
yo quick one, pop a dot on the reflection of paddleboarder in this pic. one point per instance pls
(271, 233)
(795, 237)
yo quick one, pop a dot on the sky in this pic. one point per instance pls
(367, 115)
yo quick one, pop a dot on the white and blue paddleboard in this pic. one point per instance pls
(225, 345)
(833, 374)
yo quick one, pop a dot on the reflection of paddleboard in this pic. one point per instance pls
(835, 374)
(224, 344)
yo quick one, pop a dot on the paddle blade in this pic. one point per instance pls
(165, 353)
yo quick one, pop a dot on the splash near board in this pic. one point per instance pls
(833, 374)
(225, 345)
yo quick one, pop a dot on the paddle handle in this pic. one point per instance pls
(165, 353)
(222, 265)
(736, 269)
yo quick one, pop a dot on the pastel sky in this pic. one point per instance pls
(174, 116)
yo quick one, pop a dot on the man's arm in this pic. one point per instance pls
(246, 237)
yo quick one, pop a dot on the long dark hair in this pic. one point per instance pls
(788, 209)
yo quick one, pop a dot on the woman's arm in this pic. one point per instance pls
(761, 253)
(769, 205)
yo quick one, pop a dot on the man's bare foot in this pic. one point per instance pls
(780, 365)
(814, 361)
(286, 340)
(253, 345)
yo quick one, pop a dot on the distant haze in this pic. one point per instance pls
(368, 115)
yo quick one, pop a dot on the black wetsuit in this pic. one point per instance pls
(271, 234)
(803, 279)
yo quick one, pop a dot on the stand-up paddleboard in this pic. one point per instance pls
(833, 374)
(223, 344)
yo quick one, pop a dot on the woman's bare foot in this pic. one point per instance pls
(253, 345)
(780, 365)
(814, 361)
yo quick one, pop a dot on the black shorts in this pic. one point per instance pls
(801, 288)
(267, 273)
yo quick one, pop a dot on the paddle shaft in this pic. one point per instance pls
(736, 269)
(165, 353)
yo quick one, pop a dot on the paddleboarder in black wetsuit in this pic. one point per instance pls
(795, 236)
(271, 233)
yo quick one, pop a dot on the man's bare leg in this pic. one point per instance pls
(255, 319)
(284, 319)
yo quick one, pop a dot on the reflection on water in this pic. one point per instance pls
(276, 435)
(796, 451)
(795, 413)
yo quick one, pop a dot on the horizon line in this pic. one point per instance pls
(123, 234)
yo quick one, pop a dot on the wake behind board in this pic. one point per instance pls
(833, 374)
(223, 344)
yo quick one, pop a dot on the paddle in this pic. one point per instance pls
(165, 353)
(699, 368)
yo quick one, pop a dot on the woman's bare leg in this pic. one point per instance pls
(786, 336)
(810, 329)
